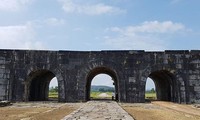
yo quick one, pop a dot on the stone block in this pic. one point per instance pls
(2, 61)
(3, 81)
(182, 88)
(193, 77)
(2, 66)
(197, 88)
(179, 66)
(132, 79)
(1, 75)
(2, 71)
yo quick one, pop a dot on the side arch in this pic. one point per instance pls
(169, 87)
(37, 84)
(165, 85)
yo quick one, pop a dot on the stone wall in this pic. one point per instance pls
(25, 73)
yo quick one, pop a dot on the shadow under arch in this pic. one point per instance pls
(101, 70)
(37, 85)
(165, 85)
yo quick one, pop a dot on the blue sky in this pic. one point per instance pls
(100, 24)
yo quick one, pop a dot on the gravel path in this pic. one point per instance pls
(99, 110)
(103, 95)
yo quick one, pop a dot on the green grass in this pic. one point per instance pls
(151, 96)
(53, 94)
(95, 95)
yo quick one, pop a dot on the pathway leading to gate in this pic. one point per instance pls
(99, 110)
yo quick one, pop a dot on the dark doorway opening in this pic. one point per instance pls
(164, 85)
(38, 87)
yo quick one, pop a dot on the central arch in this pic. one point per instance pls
(101, 70)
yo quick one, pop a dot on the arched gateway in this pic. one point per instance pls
(25, 74)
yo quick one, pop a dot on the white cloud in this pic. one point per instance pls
(47, 22)
(70, 6)
(54, 21)
(150, 35)
(13, 5)
(18, 37)
(102, 79)
(152, 27)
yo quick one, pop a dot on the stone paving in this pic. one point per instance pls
(99, 110)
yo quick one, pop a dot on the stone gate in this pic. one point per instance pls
(25, 74)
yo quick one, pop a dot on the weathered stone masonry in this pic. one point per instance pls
(25, 74)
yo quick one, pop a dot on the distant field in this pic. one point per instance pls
(151, 96)
(53, 94)
(95, 95)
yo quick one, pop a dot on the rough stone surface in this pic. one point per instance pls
(99, 110)
(25, 74)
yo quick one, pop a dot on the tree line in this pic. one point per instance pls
(53, 89)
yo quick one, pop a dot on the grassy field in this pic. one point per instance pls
(53, 94)
(151, 96)
(95, 95)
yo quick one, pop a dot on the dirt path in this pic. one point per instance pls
(103, 95)
(188, 109)
(37, 111)
(55, 111)
(162, 111)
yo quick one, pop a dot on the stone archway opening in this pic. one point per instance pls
(164, 85)
(38, 85)
(53, 90)
(100, 71)
(150, 90)
(102, 87)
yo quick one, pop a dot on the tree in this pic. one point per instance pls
(101, 90)
(56, 88)
(53, 89)
(153, 90)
